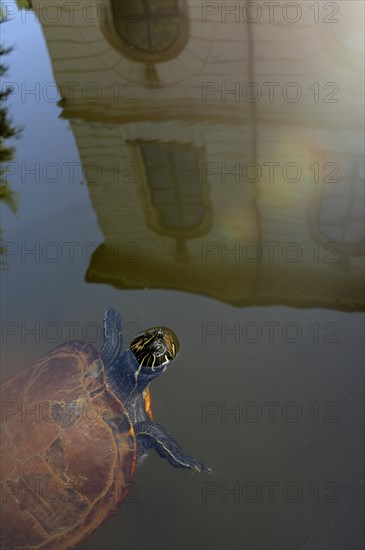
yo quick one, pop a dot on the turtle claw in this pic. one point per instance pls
(205, 470)
(197, 466)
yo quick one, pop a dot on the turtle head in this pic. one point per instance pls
(149, 354)
(153, 350)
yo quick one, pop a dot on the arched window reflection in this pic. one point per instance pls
(339, 215)
(148, 31)
(175, 198)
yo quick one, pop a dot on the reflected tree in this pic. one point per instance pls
(7, 131)
(24, 4)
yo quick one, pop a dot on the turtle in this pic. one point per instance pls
(74, 427)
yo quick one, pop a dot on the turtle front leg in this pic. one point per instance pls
(151, 435)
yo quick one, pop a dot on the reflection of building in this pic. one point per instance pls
(250, 201)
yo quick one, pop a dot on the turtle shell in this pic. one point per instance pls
(68, 450)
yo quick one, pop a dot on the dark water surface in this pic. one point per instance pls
(161, 188)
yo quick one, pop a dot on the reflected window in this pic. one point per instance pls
(149, 31)
(177, 200)
(340, 213)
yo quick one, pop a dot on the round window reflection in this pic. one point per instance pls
(148, 31)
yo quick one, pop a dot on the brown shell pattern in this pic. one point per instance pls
(67, 451)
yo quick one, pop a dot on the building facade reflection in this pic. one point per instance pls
(229, 168)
